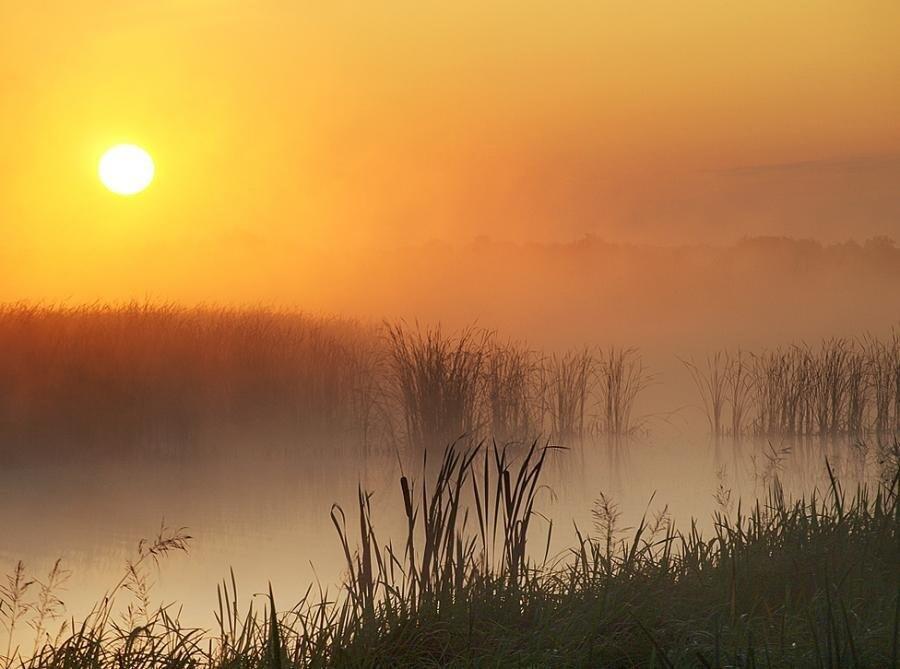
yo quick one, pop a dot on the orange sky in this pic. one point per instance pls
(289, 133)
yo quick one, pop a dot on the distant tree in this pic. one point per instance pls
(880, 243)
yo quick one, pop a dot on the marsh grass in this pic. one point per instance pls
(589, 392)
(569, 382)
(841, 388)
(710, 383)
(150, 375)
(437, 381)
(159, 377)
(622, 378)
(779, 582)
(510, 386)
(162, 376)
(725, 383)
(38, 604)
(739, 384)
(469, 384)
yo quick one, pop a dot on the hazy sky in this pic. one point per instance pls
(284, 128)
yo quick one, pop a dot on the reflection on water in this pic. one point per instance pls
(266, 514)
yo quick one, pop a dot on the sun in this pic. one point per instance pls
(126, 169)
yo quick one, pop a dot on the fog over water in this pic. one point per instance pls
(264, 512)
(258, 500)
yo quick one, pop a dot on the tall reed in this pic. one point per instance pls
(509, 373)
(622, 377)
(710, 382)
(569, 381)
(842, 387)
(437, 381)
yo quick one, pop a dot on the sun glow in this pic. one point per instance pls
(126, 169)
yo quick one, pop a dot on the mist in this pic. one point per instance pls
(482, 333)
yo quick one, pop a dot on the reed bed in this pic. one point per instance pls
(843, 387)
(140, 376)
(781, 583)
(145, 376)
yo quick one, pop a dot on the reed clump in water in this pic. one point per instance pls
(622, 378)
(806, 582)
(590, 392)
(448, 386)
(842, 388)
(437, 381)
(711, 384)
(509, 392)
(569, 383)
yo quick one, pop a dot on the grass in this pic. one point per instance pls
(622, 379)
(711, 384)
(571, 381)
(510, 392)
(152, 375)
(841, 388)
(779, 583)
(448, 386)
(437, 382)
(163, 377)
